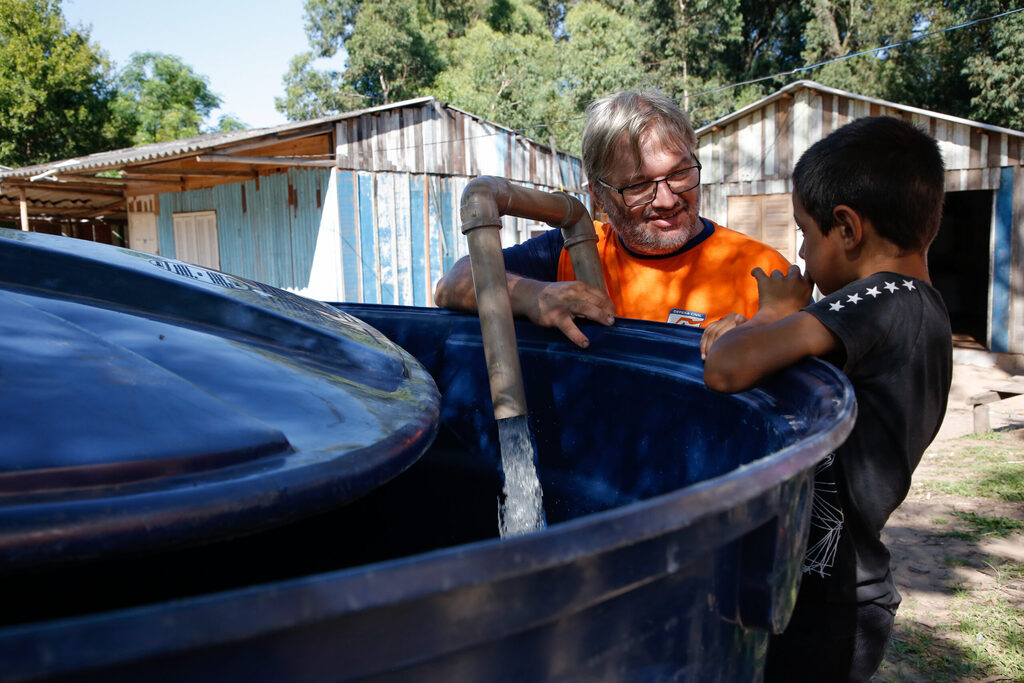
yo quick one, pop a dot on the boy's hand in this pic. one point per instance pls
(716, 329)
(780, 295)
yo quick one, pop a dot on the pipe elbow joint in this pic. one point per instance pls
(481, 202)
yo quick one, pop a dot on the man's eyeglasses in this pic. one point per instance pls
(643, 193)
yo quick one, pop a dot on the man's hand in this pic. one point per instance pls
(780, 295)
(716, 329)
(557, 304)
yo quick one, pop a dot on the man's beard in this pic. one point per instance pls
(651, 240)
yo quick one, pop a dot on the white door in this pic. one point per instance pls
(195, 238)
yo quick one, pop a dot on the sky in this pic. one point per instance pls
(242, 46)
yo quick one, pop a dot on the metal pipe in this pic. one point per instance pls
(484, 201)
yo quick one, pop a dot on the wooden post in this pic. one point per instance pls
(22, 195)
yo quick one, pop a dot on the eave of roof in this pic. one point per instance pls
(811, 85)
(113, 159)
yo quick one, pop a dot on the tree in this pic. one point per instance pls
(394, 51)
(535, 64)
(55, 87)
(973, 72)
(390, 57)
(504, 77)
(161, 98)
(310, 93)
(600, 56)
(995, 73)
(228, 122)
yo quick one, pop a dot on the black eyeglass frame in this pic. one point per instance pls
(654, 196)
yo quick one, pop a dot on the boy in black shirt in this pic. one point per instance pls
(868, 200)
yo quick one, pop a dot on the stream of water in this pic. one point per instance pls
(522, 511)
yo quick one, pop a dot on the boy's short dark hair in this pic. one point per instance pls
(888, 170)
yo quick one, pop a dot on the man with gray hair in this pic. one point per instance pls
(662, 261)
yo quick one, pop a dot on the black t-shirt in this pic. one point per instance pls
(896, 348)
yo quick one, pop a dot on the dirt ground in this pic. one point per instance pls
(930, 566)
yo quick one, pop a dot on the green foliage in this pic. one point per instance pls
(1000, 527)
(55, 86)
(61, 97)
(995, 76)
(329, 24)
(503, 77)
(161, 98)
(229, 122)
(532, 62)
(311, 93)
(987, 471)
(526, 64)
(394, 50)
(599, 57)
(992, 633)
(508, 16)
(390, 56)
(974, 625)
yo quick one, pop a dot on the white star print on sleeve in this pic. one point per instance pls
(873, 292)
(891, 286)
(909, 284)
(836, 306)
(853, 298)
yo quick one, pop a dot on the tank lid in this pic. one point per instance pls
(145, 402)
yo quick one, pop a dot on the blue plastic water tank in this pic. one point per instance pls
(147, 403)
(677, 522)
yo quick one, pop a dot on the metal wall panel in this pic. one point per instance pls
(418, 241)
(387, 222)
(369, 258)
(348, 200)
(384, 226)
(1002, 258)
(434, 139)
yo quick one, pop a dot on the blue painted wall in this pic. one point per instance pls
(1002, 263)
(393, 236)
(261, 234)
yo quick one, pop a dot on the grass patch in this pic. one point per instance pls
(977, 634)
(960, 535)
(992, 635)
(999, 527)
(985, 638)
(992, 476)
(934, 657)
(953, 561)
(1006, 570)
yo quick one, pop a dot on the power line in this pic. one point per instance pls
(859, 54)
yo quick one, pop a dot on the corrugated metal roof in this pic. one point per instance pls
(200, 143)
(811, 85)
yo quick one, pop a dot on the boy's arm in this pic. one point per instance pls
(745, 355)
(779, 335)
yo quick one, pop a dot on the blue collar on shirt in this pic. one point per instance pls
(708, 231)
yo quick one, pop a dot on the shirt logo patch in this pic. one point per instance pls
(690, 318)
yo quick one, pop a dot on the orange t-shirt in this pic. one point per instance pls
(696, 286)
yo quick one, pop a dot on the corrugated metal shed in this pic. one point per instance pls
(362, 206)
(749, 156)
